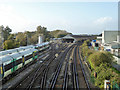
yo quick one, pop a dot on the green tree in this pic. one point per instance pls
(61, 35)
(33, 39)
(41, 30)
(6, 32)
(16, 44)
(21, 38)
(85, 50)
(97, 58)
(8, 44)
(11, 37)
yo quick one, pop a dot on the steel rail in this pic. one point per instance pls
(83, 71)
(32, 73)
(54, 79)
(44, 76)
(75, 74)
(66, 70)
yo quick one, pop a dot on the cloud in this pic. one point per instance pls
(105, 23)
(18, 23)
(103, 20)
(9, 17)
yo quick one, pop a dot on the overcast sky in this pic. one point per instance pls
(75, 17)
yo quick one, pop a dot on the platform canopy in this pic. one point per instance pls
(68, 38)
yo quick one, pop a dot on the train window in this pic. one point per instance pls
(28, 57)
(18, 61)
(28, 54)
(7, 62)
(8, 66)
(18, 58)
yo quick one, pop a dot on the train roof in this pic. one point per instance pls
(10, 51)
(28, 51)
(34, 50)
(27, 47)
(42, 44)
(15, 55)
(16, 50)
(5, 58)
(2, 53)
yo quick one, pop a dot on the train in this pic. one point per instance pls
(14, 59)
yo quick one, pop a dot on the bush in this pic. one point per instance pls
(100, 63)
(85, 50)
(8, 44)
(105, 72)
(97, 58)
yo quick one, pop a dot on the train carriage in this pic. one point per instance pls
(10, 51)
(13, 62)
(17, 61)
(29, 55)
(13, 59)
(6, 65)
(42, 46)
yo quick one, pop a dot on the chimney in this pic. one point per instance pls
(40, 39)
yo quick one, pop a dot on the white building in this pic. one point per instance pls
(111, 42)
(110, 36)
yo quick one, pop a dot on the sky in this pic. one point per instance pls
(77, 17)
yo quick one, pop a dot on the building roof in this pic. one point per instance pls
(68, 37)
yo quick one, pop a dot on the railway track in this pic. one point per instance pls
(58, 69)
(73, 75)
(44, 75)
(35, 83)
(28, 82)
(78, 75)
(69, 72)
(40, 80)
(83, 71)
(74, 70)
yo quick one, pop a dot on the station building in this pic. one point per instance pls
(68, 39)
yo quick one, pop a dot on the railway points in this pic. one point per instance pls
(59, 66)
